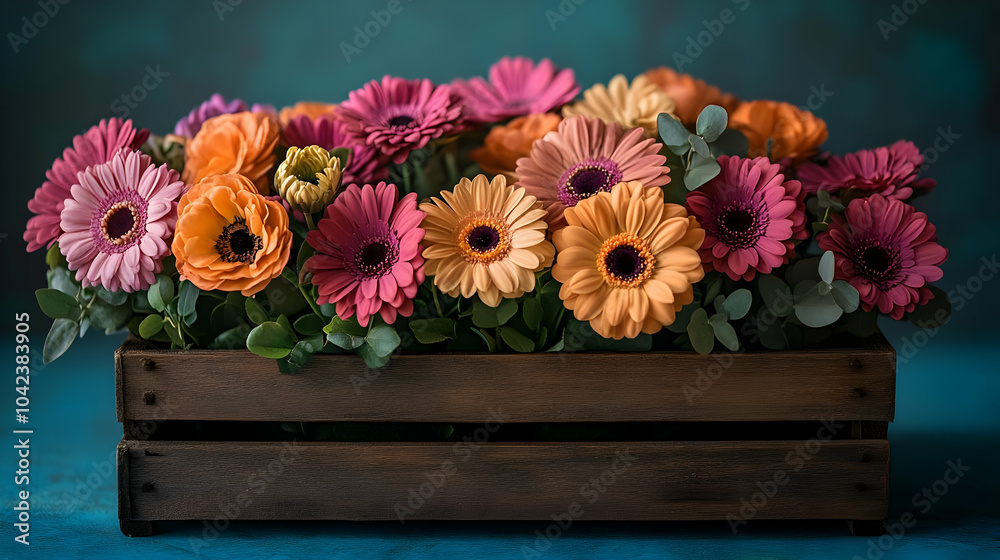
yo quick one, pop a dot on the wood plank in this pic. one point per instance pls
(848, 384)
(365, 481)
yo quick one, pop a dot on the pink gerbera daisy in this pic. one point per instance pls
(119, 221)
(517, 87)
(93, 147)
(751, 215)
(888, 251)
(397, 116)
(329, 132)
(368, 249)
(585, 156)
(890, 171)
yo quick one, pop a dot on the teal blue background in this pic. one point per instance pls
(936, 71)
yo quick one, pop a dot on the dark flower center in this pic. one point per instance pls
(400, 121)
(739, 227)
(483, 239)
(878, 264)
(375, 259)
(625, 263)
(586, 179)
(119, 223)
(587, 182)
(237, 243)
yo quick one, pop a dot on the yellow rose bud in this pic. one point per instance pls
(309, 178)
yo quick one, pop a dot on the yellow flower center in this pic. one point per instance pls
(625, 261)
(483, 238)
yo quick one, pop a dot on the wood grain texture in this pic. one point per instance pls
(344, 481)
(849, 384)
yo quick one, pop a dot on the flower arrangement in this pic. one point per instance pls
(490, 214)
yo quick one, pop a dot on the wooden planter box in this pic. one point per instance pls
(768, 435)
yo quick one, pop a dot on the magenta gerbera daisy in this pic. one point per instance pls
(397, 116)
(891, 171)
(118, 222)
(93, 147)
(752, 216)
(329, 132)
(585, 156)
(517, 87)
(888, 251)
(368, 249)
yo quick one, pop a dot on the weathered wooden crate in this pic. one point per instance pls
(727, 437)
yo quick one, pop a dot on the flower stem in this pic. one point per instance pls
(309, 221)
(309, 300)
(437, 303)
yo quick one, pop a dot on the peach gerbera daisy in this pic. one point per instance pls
(632, 106)
(690, 94)
(627, 261)
(486, 239)
(779, 130)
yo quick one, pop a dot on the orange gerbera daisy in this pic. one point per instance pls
(241, 143)
(793, 133)
(311, 109)
(234, 181)
(485, 238)
(690, 94)
(632, 105)
(230, 238)
(506, 143)
(627, 261)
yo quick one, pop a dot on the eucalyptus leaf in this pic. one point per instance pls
(671, 131)
(310, 324)
(731, 142)
(112, 298)
(57, 304)
(700, 332)
(486, 317)
(161, 293)
(532, 309)
(60, 338)
(702, 170)
(109, 317)
(699, 145)
(682, 318)
(345, 340)
(271, 340)
(737, 304)
(255, 312)
(724, 332)
(187, 298)
(371, 358)
(491, 343)
(430, 331)
(826, 267)
(814, 309)
(769, 329)
(150, 326)
(712, 122)
(516, 340)
(382, 339)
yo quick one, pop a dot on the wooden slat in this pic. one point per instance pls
(848, 384)
(344, 481)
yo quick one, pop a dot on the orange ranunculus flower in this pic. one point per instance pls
(311, 109)
(690, 94)
(506, 143)
(233, 180)
(241, 143)
(230, 238)
(794, 133)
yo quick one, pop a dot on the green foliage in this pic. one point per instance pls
(58, 305)
(60, 337)
(431, 331)
(271, 340)
(486, 317)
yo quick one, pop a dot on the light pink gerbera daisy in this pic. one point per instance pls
(585, 156)
(890, 171)
(368, 249)
(95, 146)
(119, 221)
(888, 251)
(751, 215)
(517, 87)
(329, 132)
(397, 116)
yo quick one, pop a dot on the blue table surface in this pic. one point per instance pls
(946, 410)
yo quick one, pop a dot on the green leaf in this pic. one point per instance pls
(60, 337)
(826, 268)
(271, 340)
(112, 298)
(713, 287)
(486, 317)
(61, 279)
(302, 354)
(344, 154)
(814, 309)
(730, 143)
(255, 312)
(58, 305)
(804, 269)
(671, 131)
(934, 313)
(724, 332)
(231, 339)
(777, 296)
(825, 201)
(702, 170)
(187, 298)
(226, 316)
(682, 318)
(305, 251)
(150, 326)
(699, 145)
(345, 340)
(516, 340)
(111, 318)
(700, 332)
(769, 328)
(491, 344)
(860, 323)
(430, 331)
(371, 358)
(161, 293)
(350, 326)
(712, 122)
(532, 313)
(680, 150)
(54, 258)
(738, 303)
(819, 227)
(310, 324)
(382, 339)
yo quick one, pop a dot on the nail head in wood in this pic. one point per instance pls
(856, 364)
(149, 397)
(147, 364)
(861, 487)
(866, 457)
(860, 393)
(148, 486)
